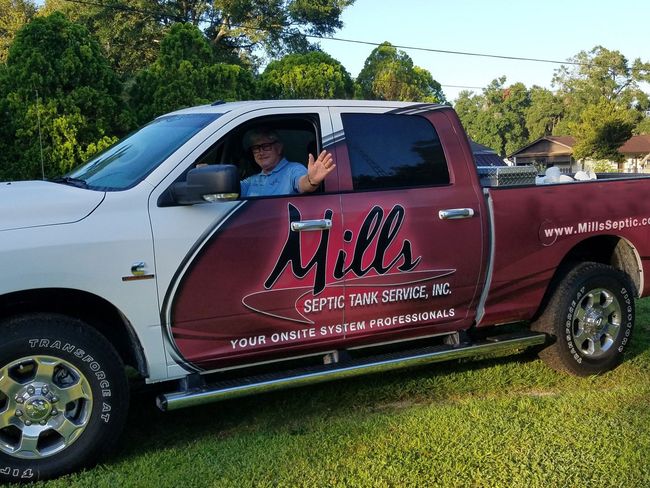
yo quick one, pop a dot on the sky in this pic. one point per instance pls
(547, 29)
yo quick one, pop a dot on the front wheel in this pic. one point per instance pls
(63, 397)
(590, 315)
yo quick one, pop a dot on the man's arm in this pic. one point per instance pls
(317, 171)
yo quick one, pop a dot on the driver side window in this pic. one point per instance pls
(293, 139)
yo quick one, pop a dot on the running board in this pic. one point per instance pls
(307, 376)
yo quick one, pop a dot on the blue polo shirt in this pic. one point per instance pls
(282, 180)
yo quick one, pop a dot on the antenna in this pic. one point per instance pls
(40, 137)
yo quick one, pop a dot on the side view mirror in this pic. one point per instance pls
(206, 184)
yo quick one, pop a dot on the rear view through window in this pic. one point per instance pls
(393, 151)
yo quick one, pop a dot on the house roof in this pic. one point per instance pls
(480, 148)
(567, 141)
(484, 156)
(636, 145)
(547, 145)
(639, 145)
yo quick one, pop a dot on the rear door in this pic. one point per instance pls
(413, 236)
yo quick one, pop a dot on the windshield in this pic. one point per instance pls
(130, 160)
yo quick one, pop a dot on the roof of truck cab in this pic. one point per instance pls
(221, 108)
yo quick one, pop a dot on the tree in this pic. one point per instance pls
(13, 15)
(598, 101)
(496, 118)
(603, 102)
(185, 74)
(644, 126)
(544, 113)
(56, 79)
(389, 74)
(130, 30)
(601, 74)
(278, 26)
(312, 75)
(602, 129)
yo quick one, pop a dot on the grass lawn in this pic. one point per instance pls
(501, 422)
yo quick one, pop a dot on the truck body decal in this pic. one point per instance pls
(309, 289)
(374, 230)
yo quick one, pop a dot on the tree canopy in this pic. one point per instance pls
(389, 74)
(497, 117)
(238, 30)
(311, 75)
(601, 74)
(603, 102)
(598, 101)
(129, 31)
(56, 77)
(544, 113)
(185, 74)
(13, 15)
(602, 129)
(644, 126)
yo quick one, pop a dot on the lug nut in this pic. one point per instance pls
(54, 399)
(19, 399)
(19, 413)
(28, 422)
(42, 422)
(31, 390)
(45, 390)
(54, 412)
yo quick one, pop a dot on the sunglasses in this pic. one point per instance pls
(262, 147)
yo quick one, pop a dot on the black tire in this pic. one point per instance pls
(49, 427)
(590, 316)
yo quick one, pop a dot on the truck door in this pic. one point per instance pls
(413, 235)
(243, 282)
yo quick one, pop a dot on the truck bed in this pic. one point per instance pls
(537, 228)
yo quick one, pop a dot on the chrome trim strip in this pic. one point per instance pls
(333, 138)
(270, 361)
(480, 309)
(139, 277)
(408, 339)
(176, 400)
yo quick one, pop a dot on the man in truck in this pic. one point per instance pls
(279, 176)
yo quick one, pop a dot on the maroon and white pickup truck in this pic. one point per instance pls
(147, 256)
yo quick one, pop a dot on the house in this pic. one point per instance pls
(484, 156)
(547, 151)
(637, 154)
(557, 151)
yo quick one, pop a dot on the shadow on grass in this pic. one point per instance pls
(149, 429)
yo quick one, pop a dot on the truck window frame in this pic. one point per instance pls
(228, 149)
(445, 176)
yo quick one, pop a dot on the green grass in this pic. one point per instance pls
(502, 422)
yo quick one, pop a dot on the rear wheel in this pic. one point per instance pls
(590, 316)
(63, 397)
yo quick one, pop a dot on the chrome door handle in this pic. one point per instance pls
(456, 213)
(307, 225)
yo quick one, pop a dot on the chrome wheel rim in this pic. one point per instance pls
(596, 323)
(45, 405)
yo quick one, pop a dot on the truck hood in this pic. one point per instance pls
(35, 203)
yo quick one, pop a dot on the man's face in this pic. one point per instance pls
(267, 152)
